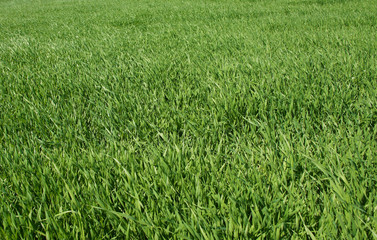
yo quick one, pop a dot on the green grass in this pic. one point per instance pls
(190, 119)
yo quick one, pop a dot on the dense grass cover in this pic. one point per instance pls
(158, 119)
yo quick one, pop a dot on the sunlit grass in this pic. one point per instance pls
(188, 119)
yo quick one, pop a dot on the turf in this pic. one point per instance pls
(188, 119)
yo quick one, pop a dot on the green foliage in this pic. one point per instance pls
(188, 119)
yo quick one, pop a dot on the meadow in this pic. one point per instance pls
(188, 119)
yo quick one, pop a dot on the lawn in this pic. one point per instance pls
(195, 119)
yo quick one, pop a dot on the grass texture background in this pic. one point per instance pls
(188, 119)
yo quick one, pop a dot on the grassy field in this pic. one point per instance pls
(159, 119)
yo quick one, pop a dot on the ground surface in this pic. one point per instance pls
(188, 119)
